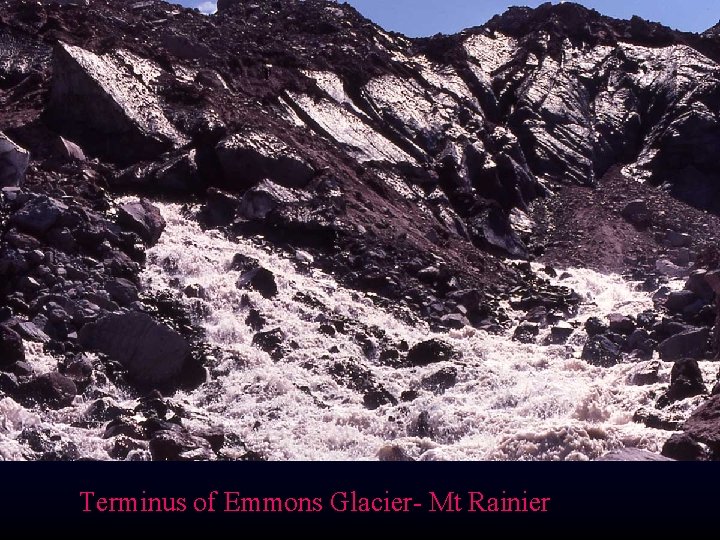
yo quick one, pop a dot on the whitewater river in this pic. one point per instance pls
(511, 401)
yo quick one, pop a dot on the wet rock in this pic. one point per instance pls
(704, 424)
(124, 445)
(270, 341)
(220, 209)
(39, 215)
(646, 374)
(600, 351)
(14, 161)
(637, 213)
(640, 340)
(375, 398)
(47, 445)
(688, 344)
(526, 333)
(440, 381)
(255, 320)
(682, 447)
(620, 324)
(143, 218)
(422, 427)
(685, 381)
(260, 279)
(122, 291)
(430, 352)
(595, 327)
(249, 157)
(560, 333)
(172, 445)
(152, 353)
(53, 389)
(12, 348)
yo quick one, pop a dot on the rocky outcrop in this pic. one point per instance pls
(106, 102)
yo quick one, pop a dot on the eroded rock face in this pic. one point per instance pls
(107, 103)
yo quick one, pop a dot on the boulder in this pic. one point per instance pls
(595, 327)
(262, 199)
(677, 239)
(620, 324)
(178, 445)
(691, 343)
(270, 341)
(698, 283)
(11, 347)
(105, 103)
(677, 301)
(440, 381)
(53, 389)
(526, 333)
(152, 353)
(686, 381)
(430, 352)
(14, 162)
(704, 424)
(600, 351)
(143, 218)
(260, 279)
(682, 447)
(249, 157)
(220, 209)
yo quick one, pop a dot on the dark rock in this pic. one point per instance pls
(249, 157)
(455, 321)
(685, 381)
(39, 215)
(637, 213)
(260, 279)
(122, 291)
(440, 381)
(392, 452)
(526, 333)
(13, 163)
(677, 239)
(698, 283)
(167, 445)
(151, 352)
(560, 333)
(257, 203)
(270, 341)
(688, 344)
(255, 320)
(620, 324)
(647, 374)
(48, 446)
(595, 327)
(429, 352)
(220, 209)
(53, 389)
(123, 445)
(375, 398)
(600, 351)
(409, 395)
(704, 424)
(677, 301)
(195, 290)
(682, 447)
(143, 218)
(12, 348)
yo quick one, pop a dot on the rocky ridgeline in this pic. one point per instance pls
(411, 169)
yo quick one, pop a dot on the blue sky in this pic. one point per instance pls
(427, 17)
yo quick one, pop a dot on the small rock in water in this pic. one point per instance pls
(686, 381)
(600, 351)
(429, 352)
(260, 279)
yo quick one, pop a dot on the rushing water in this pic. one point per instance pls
(511, 401)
